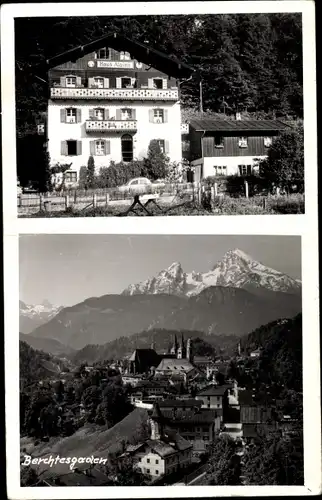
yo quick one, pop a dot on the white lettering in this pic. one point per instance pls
(28, 459)
(115, 64)
(74, 462)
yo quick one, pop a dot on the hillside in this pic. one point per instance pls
(36, 365)
(50, 346)
(163, 339)
(281, 357)
(216, 310)
(90, 440)
(102, 319)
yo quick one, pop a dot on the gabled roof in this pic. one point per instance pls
(214, 390)
(189, 416)
(178, 365)
(140, 51)
(145, 355)
(212, 125)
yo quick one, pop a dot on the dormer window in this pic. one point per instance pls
(125, 56)
(103, 53)
(70, 81)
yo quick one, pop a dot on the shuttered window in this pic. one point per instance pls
(70, 81)
(157, 83)
(245, 170)
(103, 53)
(71, 176)
(164, 145)
(70, 115)
(71, 148)
(100, 147)
(125, 56)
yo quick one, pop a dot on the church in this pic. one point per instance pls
(179, 362)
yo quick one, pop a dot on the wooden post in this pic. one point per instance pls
(216, 189)
(107, 199)
(41, 202)
(94, 200)
(19, 200)
(212, 191)
(47, 206)
(199, 192)
(264, 203)
(246, 189)
(75, 197)
(66, 201)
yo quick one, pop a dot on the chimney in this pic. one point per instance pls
(238, 116)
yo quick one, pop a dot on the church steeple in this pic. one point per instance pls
(181, 350)
(174, 348)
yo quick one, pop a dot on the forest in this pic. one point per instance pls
(251, 63)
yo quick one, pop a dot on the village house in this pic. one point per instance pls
(109, 99)
(215, 397)
(230, 147)
(164, 453)
(190, 421)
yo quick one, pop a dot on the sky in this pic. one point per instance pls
(67, 269)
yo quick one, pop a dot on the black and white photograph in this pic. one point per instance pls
(159, 115)
(160, 360)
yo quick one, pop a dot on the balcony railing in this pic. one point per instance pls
(184, 128)
(110, 125)
(122, 94)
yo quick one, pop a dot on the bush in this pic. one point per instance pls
(90, 172)
(156, 163)
(284, 165)
(118, 174)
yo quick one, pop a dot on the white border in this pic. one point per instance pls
(304, 225)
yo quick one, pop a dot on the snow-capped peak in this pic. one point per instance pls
(236, 269)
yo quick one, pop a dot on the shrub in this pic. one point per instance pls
(83, 175)
(90, 172)
(156, 162)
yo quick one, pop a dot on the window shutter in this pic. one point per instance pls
(151, 115)
(118, 83)
(92, 148)
(118, 114)
(78, 115)
(63, 81)
(63, 115)
(79, 148)
(164, 83)
(166, 147)
(107, 147)
(249, 170)
(63, 148)
(133, 82)
(106, 114)
(92, 114)
(106, 83)
(240, 168)
(150, 83)
(133, 114)
(165, 116)
(78, 81)
(90, 82)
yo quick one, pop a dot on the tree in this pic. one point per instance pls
(83, 176)
(275, 460)
(224, 464)
(220, 378)
(90, 172)
(156, 162)
(284, 165)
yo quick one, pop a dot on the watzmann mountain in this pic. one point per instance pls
(236, 269)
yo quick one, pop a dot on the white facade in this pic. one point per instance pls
(226, 165)
(144, 128)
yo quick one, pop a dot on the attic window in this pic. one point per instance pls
(70, 81)
(242, 142)
(157, 83)
(219, 141)
(103, 53)
(125, 56)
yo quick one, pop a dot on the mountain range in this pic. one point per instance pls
(237, 296)
(31, 316)
(236, 269)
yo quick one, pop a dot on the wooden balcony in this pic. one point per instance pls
(110, 125)
(115, 94)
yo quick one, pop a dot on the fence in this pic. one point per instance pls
(168, 194)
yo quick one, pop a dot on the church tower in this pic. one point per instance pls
(189, 353)
(174, 348)
(182, 349)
